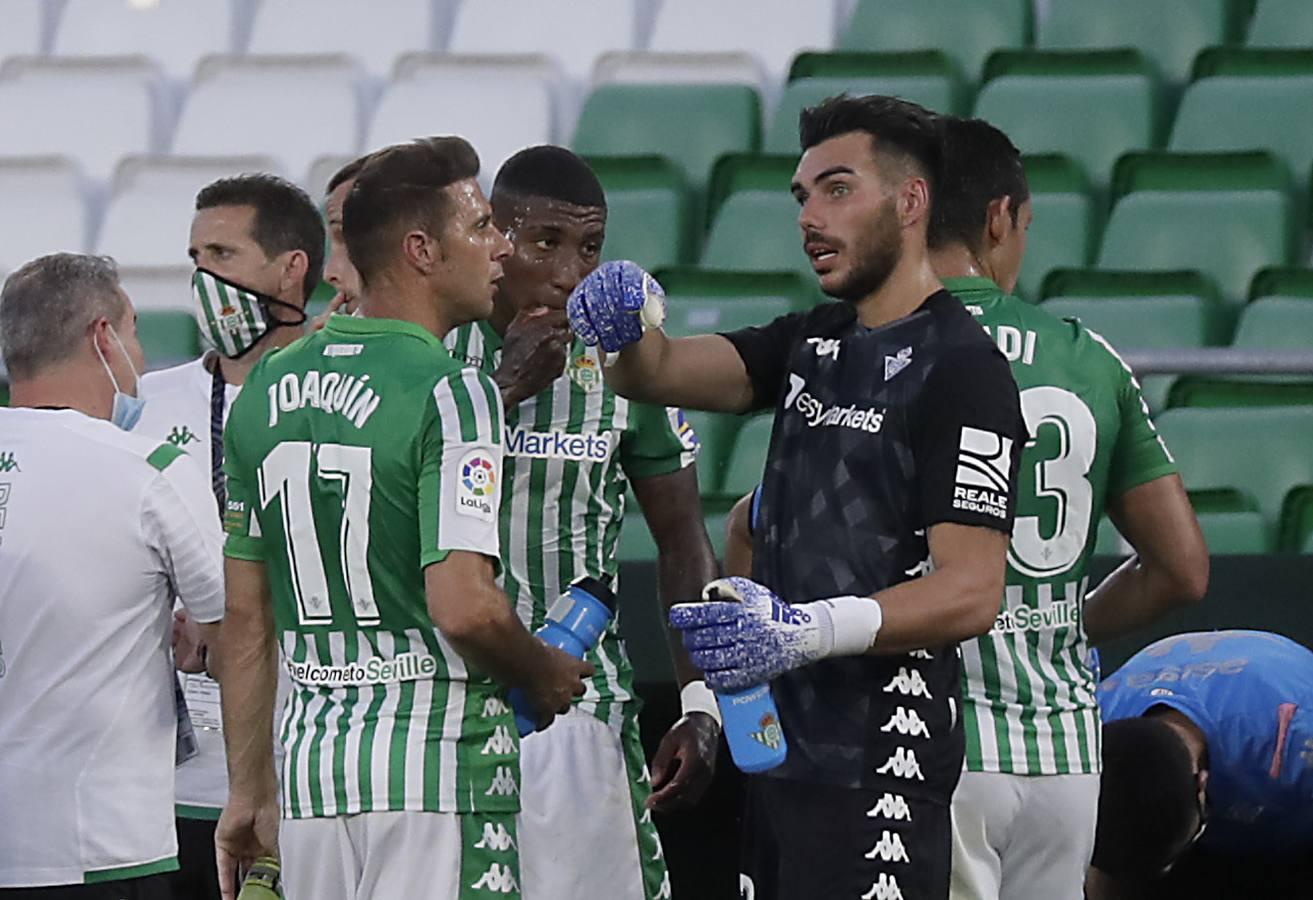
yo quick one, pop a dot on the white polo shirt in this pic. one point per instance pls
(99, 531)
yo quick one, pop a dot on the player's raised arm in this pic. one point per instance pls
(620, 308)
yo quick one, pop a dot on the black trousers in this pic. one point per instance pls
(197, 877)
(151, 887)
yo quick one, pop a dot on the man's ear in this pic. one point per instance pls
(291, 283)
(999, 221)
(423, 252)
(913, 203)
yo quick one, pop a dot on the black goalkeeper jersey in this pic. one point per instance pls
(879, 434)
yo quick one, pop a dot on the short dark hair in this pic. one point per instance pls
(554, 173)
(1148, 800)
(285, 218)
(347, 172)
(980, 165)
(899, 129)
(400, 188)
(48, 304)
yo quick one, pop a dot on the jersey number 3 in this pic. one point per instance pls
(1062, 479)
(286, 474)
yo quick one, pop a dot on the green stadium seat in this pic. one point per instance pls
(782, 136)
(1282, 281)
(1281, 23)
(1092, 107)
(1238, 207)
(1295, 532)
(967, 32)
(757, 231)
(702, 301)
(647, 210)
(715, 433)
(1241, 458)
(1062, 233)
(927, 77)
(1167, 32)
(1108, 540)
(747, 461)
(692, 124)
(735, 172)
(715, 525)
(168, 337)
(635, 543)
(1235, 532)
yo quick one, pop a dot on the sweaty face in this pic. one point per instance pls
(338, 270)
(556, 244)
(472, 251)
(848, 217)
(223, 241)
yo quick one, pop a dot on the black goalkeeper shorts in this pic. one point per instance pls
(819, 842)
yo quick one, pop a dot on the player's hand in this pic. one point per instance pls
(614, 304)
(247, 830)
(743, 635)
(561, 681)
(533, 354)
(189, 648)
(684, 763)
(336, 305)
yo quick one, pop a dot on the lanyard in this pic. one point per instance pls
(217, 481)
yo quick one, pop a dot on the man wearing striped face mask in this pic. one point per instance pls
(258, 245)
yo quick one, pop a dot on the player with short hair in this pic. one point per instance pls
(1025, 809)
(572, 449)
(258, 245)
(338, 270)
(99, 532)
(884, 515)
(363, 471)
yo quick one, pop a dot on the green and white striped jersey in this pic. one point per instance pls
(1029, 705)
(355, 458)
(570, 452)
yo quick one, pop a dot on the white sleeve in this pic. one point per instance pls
(181, 522)
(470, 476)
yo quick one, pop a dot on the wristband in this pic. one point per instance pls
(697, 697)
(853, 624)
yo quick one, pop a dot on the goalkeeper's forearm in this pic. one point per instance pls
(700, 372)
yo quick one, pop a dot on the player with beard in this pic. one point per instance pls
(883, 520)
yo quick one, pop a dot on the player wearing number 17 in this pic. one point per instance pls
(363, 469)
(1024, 812)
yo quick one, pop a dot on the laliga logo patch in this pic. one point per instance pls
(478, 480)
(583, 371)
(770, 734)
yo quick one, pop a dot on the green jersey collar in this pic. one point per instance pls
(363, 325)
(969, 286)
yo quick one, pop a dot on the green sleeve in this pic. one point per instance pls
(240, 522)
(1140, 455)
(657, 441)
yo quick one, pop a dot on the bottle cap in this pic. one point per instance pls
(598, 588)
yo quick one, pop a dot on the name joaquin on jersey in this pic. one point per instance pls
(818, 415)
(558, 445)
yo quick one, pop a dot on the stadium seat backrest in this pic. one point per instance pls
(647, 210)
(43, 210)
(175, 34)
(968, 32)
(158, 288)
(95, 112)
(1239, 113)
(1169, 32)
(934, 92)
(756, 231)
(152, 202)
(1281, 23)
(651, 67)
(168, 337)
(747, 461)
(1275, 323)
(22, 31)
(375, 34)
(293, 109)
(1144, 323)
(1060, 236)
(1235, 532)
(715, 433)
(574, 33)
(772, 30)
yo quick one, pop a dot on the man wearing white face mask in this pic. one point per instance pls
(258, 245)
(98, 535)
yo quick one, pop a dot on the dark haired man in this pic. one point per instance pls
(338, 270)
(258, 245)
(884, 516)
(363, 467)
(572, 448)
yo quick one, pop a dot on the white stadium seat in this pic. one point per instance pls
(649, 67)
(500, 105)
(321, 171)
(293, 108)
(374, 33)
(175, 35)
(157, 288)
(43, 210)
(23, 20)
(148, 218)
(575, 34)
(95, 111)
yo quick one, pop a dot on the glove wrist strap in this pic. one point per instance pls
(854, 622)
(697, 697)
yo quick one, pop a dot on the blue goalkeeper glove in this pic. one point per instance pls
(614, 304)
(743, 635)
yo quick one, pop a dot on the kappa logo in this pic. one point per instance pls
(984, 462)
(503, 784)
(896, 363)
(747, 890)
(494, 706)
(907, 723)
(884, 889)
(181, 436)
(892, 807)
(500, 743)
(498, 879)
(9, 462)
(921, 654)
(889, 849)
(496, 838)
(902, 764)
(825, 347)
(663, 892)
(909, 684)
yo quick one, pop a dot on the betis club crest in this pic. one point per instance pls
(584, 371)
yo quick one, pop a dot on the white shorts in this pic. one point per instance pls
(584, 832)
(384, 855)
(1023, 837)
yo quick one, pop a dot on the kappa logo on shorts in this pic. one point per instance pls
(500, 743)
(494, 706)
(503, 784)
(884, 889)
(891, 806)
(499, 879)
(889, 849)
(909, 684)
(984, 461)
(906, 722)
(496, 838)
(663, 892)
(747, 890)
(902, 764)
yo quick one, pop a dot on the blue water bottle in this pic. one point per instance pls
(575, 624)
(751, 724)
